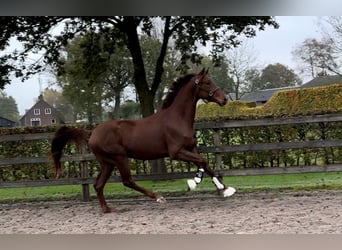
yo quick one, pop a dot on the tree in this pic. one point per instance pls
(278, 76)
(150, 47)
(8, 107)
(83, 77)
(316, 57)
(253, 81)
(114, 69)
(130, 110)
(97, 60)
(239, 61)
(218, 71)
(117, 78)
(188, 33)
(331, 28)
(333, 34)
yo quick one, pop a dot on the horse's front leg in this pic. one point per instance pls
(192, 183)
(202, 164)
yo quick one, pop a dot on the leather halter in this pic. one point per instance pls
(210, 92)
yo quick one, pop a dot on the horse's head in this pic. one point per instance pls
(208, 90)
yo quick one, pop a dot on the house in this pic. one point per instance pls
(260, 97)
(6, 123)
(41, 114)
(322, 81)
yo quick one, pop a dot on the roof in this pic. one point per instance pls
(265, 94)
(262, 95)
(322, 80)
(4, 122)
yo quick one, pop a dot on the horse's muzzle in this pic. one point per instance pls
(223, 102)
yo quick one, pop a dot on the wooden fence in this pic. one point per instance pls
(218, 150)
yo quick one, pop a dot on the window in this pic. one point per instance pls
(36, 111)
(53, 121)
(35, 122)
(48, 111)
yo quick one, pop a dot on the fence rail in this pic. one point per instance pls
(270, 146)
(4, 162)
(268, 121)
(218, 150)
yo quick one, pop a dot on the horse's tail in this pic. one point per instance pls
(61, 138)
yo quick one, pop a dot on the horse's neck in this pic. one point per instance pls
(184, 104)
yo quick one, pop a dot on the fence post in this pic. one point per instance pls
(85, 174)
(218, 156)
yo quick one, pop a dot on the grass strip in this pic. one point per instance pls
(280, 182)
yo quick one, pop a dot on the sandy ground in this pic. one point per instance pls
(290, 213)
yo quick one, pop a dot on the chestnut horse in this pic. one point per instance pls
(169, 132)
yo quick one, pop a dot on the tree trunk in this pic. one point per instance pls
(116, 111)
(146, 102)
(145, 94)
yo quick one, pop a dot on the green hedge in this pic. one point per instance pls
(34, 148)
(303, 101)
(41, 148)
(297, 102)
(276, 134)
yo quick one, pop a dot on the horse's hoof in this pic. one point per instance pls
(161, 200)
(192, 184)
(58, 174)
(228, 192)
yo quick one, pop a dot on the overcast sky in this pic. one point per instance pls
(271, 45)
(276, 45)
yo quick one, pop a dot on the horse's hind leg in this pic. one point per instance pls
(127, 179)
(106, 170)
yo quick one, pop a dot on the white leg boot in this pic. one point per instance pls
(192, 183)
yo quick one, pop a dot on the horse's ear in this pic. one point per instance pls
(202, 72)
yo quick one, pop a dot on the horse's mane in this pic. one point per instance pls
(174, 90)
